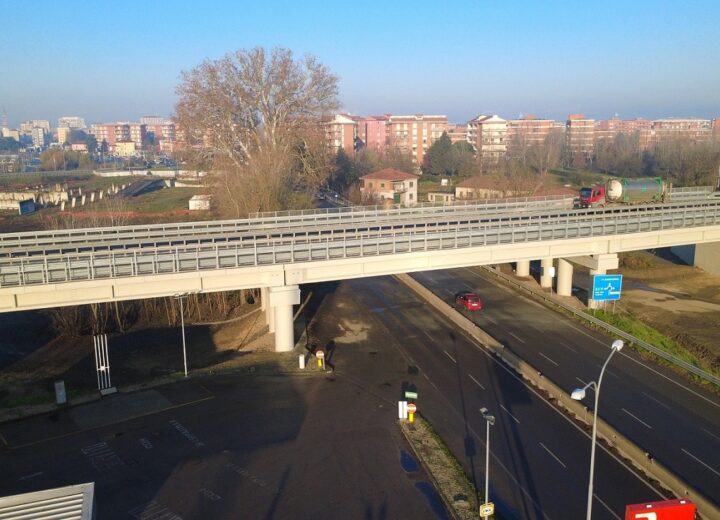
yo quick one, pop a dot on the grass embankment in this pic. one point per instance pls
(447, 474)
(628, 323)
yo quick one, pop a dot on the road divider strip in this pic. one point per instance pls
(640, 459)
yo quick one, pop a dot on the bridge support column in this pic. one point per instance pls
(545, 268)
(564, 277)
(282, 300)
(522, 268)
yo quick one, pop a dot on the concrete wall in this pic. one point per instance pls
(704, 256)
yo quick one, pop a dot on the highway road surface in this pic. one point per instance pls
(675, 421)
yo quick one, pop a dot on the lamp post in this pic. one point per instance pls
(490, 420)
(579, 394)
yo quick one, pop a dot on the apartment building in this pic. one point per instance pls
(63, 134)
(27, 127)
(119, 132)
(609, 128)
(526, 132)
(341, 132)
(457, 133)
(373, 131)
(416, 133)
(39, 137)
(697, 130)
(580, 138)
(487, 134)
(71, 122)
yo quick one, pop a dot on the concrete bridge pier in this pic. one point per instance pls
(545, 268)
(564, 277)
(522, 268)
(281, 303)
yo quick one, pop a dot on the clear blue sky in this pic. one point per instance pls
(120, 60)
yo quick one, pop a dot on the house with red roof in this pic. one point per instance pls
(390, 186)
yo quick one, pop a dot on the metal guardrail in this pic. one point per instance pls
(614, 330)
(354, 243)
(153, 235)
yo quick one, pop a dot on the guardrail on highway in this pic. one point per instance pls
(310, 245)
(614, 330)
(612, 436)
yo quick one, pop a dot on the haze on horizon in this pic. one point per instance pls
(118, 62)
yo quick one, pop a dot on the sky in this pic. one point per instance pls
(109, 61)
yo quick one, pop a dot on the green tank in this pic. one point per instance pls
(635, 191)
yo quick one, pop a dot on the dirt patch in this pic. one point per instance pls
(681, 301)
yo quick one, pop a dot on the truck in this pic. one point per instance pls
(623, 191)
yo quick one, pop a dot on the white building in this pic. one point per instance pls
(487, 134)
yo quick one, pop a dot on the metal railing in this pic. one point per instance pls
(308, 246)
(707, 376)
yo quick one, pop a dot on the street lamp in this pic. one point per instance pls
(490, 420)
(579, 394)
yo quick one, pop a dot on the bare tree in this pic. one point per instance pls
(256, 116)
(547, 155)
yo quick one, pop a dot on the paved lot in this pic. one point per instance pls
(226, 447)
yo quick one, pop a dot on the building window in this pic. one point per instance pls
(411, 184)
(382, 184)
(410, 196)
(370, 184)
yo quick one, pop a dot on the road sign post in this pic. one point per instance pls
(411, 409)
(487, 509)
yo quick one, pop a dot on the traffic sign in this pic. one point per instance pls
(606, 287)
(320, 354)
(487, 509)
(410, 395)
(411, 408)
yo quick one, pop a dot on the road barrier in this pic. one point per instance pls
(640, 459)
(612, 330)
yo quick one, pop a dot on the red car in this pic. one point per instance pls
(469, 300)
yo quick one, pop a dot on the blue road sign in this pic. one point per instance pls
(606, 287)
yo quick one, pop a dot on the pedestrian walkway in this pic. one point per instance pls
(109, 410)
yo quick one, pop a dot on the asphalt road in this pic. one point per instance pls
(540, 460)
(227, 447)
(675, 421)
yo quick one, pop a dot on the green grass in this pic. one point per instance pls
(169, 199)
(628, 323)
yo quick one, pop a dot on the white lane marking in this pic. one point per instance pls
(553, 455)
(31, 476)
(606, 507)
(551, 361)
(511, 415)
(425, 376)
(701, 462)
(562, 343)
(581, 381)
(710, 433)
(510, 474)
(489, 319)
(696, 394)
(476, 382)
(516, 337)
(450, 292)
(433, 385)
(656, 400)
(451, 358)
(637, 419)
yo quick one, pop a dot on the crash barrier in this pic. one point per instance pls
(613, 438)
